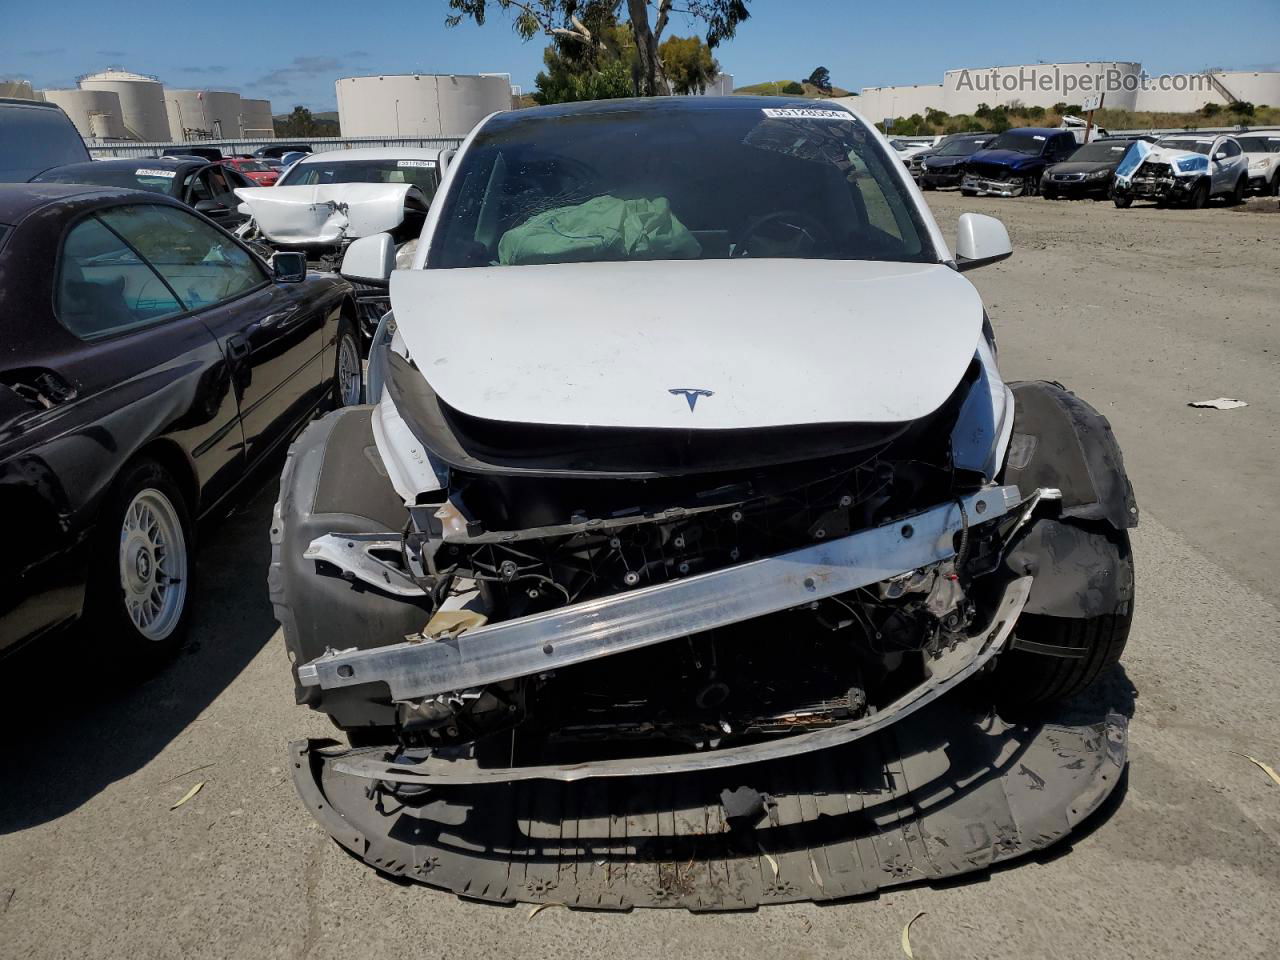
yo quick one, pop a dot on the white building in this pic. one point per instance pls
(419, 104)
(141, 101)
(96, 113)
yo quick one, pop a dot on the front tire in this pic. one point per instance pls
(1030, 186)
(1199, 196)
(1023, 678)
(139, 588)
(1122, 202)
(1236, 196)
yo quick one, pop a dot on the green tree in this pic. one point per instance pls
(983, 111)
(1210, 110)
(688, 64)
(569, 22)
(936, 118)
(1242, 108)
(793, 89)
(299, 123)
(1035, 113)
(820, 78)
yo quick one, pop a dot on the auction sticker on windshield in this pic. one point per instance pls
(801, 113)
(145, 172)
(415, 163)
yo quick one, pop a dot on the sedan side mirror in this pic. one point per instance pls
(370, 259)
(981, 240)
(209, 208)
(1220, 155)
(289, 267)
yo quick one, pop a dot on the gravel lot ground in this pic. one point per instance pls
(1139, 311)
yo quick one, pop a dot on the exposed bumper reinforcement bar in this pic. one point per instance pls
(946, 672)
(615, 624)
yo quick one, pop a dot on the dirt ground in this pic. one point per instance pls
(1139, 311)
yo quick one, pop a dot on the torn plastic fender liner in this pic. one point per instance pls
(334, 482)
(1060, 441)
(1079, 572)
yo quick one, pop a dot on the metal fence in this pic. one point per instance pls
(131, 148)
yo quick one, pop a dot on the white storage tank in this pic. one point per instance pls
(255, 118)
(141, 102)
(418, 105)
(96, 113)
(202, 114)
(18, 90)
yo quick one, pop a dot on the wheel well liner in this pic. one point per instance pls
(1060, 441)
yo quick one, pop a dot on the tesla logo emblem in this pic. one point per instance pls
(690, 394)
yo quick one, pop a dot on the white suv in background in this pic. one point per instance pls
(1262, 150)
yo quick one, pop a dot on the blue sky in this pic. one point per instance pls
(292, 51)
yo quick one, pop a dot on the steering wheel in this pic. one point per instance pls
(784, 233)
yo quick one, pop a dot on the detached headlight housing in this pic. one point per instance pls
(1196, 164)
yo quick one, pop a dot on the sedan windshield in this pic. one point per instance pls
(1109, 151)
(961, 148)
(420, 173)
(680, 183)
(1198, 146)
(134, 177)
(1269, 143)
(1031, 144)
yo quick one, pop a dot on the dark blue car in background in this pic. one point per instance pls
(1012, 164)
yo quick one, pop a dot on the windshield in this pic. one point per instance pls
(960, 148)
(1031, 144)
(1198, 146)
(653, 184)
(34, 139)
(134, 177)
(421, 173)
(1109, 151)
(1269, 143)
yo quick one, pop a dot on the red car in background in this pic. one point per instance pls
(260, 173)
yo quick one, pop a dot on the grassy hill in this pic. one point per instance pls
(773, 88)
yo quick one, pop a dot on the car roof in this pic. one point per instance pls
(1039, 131)
(20, 102)
(19, 199)
(373, 153)
(661, 104)
(153, 163)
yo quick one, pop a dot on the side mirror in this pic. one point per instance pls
(370, 259)
(289, 267)
(981, 240)
(209, 207)
(1220, 155)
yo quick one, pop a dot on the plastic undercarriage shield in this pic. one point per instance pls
(949, 790)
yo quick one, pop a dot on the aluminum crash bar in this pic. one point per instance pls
(628, 621)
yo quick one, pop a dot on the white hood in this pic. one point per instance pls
(709, 344)
(327, 212)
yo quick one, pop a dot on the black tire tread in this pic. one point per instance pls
(1028, 679)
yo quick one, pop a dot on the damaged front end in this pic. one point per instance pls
(612, 601)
